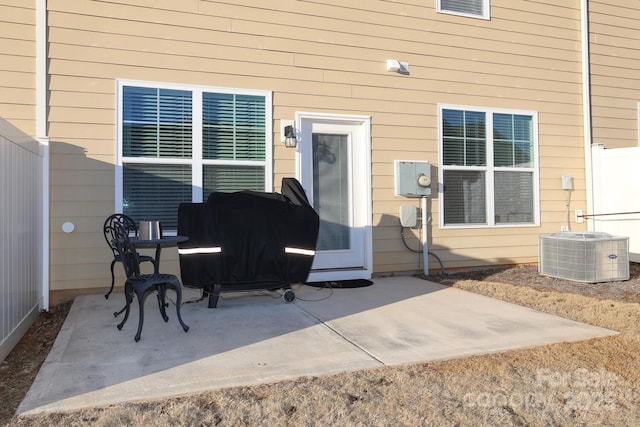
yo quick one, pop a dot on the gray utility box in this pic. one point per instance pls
(589, 257)
(413, 178)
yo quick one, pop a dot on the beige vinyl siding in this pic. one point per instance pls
(615, 61)
(18, 63)
(326, 56)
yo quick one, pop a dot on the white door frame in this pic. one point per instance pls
(361, 166)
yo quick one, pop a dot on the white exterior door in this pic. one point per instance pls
(335, 170)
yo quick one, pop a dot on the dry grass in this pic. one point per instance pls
(592, 382)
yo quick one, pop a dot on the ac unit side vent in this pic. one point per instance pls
(589, 257)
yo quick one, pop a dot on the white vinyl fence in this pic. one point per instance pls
(616, 194)
(20, 234)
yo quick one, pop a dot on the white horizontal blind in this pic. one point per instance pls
(465, 200)
(233, 129)
(157, 123)
(513, 197)
(464, 138)
(512, 140)
(154, 191)
(478, 8)
(513, 148)
(232, 178)
(464, 143)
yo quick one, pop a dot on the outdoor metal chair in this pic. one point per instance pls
(130, 228)
(143, 284)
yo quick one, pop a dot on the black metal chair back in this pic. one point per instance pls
(129, 228)
(118, 220)
(126, 251)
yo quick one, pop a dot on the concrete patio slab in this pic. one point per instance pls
(254, 338)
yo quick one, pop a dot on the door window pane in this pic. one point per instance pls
(331, 190)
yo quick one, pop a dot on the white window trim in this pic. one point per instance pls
(486, 7)
(196, 180)
(489, 182)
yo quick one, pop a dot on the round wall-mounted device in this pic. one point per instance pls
(68, 227)
(424, 180)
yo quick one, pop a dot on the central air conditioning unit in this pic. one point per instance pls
(589, 257)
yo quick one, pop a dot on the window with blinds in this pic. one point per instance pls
(471, 8)
(180, 144)
(489, 167)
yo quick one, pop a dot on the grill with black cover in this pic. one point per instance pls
(248, 240)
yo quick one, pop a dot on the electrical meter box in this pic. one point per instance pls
(413, 178)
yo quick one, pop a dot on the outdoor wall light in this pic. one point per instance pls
(290, 139)
(395, 66)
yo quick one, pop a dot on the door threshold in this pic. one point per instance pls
(339, 274)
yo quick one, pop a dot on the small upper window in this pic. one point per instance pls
(471, 8)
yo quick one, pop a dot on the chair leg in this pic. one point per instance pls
(178, 304)
(161, 294)
(141, 297)
(113, 279)
(118, 313)
(127, 307)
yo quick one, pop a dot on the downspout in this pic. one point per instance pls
(586, 106)
(43, 139)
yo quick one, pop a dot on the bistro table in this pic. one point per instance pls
(164, 241)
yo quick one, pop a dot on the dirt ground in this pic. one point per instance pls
(594, 382)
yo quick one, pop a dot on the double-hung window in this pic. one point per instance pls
(489, 168)
(470, 8)
(178, 143)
